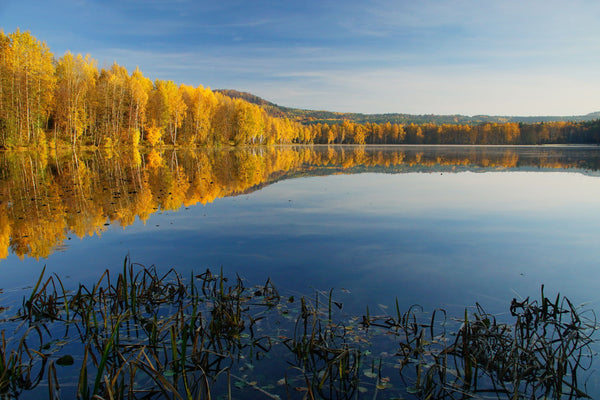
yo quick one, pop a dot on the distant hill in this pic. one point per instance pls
(329, 117)
(249, 97)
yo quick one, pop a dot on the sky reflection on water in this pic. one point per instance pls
(437, 239)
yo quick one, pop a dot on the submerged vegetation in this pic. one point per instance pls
(48, 101)
(143, 334)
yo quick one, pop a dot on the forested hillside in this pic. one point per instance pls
(330, 117)
(46, 100)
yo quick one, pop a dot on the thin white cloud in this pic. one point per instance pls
(442, 91)
(434, 56)
(314, 78)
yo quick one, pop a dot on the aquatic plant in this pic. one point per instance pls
(538, 355)
(152, 335)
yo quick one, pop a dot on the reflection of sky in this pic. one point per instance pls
(445, 240)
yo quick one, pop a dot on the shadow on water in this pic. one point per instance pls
(144, 335)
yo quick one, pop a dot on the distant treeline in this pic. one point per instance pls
(44, 100)
(310, 117)
(430, 133)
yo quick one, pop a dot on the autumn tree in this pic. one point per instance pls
(200, 107)
(113, 102)
(166, 109)
(414, 134)
(139, 87)
(26, 88)
(223, 119)
(75, 89)
(248, 123)
(359, 134)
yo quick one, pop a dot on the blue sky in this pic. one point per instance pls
(502, 57)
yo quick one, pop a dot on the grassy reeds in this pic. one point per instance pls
(151, 335)
(325, 354)
(538, 356)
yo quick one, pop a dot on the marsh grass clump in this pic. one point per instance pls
(326, 357)
(143, 334)
(538, 356)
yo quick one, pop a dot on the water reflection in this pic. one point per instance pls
(438, 226)
(45, 199)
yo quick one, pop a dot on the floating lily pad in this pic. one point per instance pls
(370, 374)
(239, 384)
(65, 360)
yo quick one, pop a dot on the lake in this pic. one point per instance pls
(439, 226)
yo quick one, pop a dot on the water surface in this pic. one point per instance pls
(438, 226)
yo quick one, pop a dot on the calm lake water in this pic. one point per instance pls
(437, 226)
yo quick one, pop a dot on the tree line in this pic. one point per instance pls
(510, 133)
(47, 101)
(70, 100)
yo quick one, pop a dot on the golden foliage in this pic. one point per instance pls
(75, 103)
(153, 135)
(5, 233)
